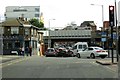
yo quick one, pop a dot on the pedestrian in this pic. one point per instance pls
(27, 51)
(20, 51)
(23, 51)
(30, 51)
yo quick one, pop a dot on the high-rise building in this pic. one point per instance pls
(22, 11)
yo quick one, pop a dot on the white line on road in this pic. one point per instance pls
(12, 62)
(114, 71)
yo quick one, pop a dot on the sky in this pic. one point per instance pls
(65, 11)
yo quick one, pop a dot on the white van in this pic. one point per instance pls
(79, 46)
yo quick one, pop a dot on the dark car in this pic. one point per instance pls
(69, 52)
(51, 52)
(62, 52)
(65, 52)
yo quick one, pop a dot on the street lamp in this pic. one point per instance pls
(102, 11)
(102, 16)
(49, 40)
(117, 31)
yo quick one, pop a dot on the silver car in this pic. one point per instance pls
(51, 52)
(93, 52)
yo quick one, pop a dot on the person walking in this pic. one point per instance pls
(27, 51)
(30, 51)
(23, 51)
(20, 51)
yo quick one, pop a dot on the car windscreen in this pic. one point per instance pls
(98, 48)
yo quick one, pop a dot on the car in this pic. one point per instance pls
(93, 52)
(51, 52)
(69, 52)
(79, 46)
(62, 52)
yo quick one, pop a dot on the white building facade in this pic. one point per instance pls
(119, 13)
(28, 12)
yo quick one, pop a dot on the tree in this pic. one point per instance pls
(36, 23)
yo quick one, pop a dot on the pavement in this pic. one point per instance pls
(7, 58)
(107, 61)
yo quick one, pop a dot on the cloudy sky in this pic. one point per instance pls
(65, 11)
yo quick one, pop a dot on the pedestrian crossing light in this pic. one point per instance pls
(111, 15)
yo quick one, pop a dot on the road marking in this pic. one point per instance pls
(12, 62)
(110, 69)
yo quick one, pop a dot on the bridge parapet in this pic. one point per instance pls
(70, 33)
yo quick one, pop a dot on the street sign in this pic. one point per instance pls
(103, 34)
(103, 39)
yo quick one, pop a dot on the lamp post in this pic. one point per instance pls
(102, 11)
(117, 31)
(102, 16)
(49, 39)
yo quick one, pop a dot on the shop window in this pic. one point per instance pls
(14, 30)
(27, 32)
(9, 46)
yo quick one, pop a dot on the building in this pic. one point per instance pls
(19, 33)
(88, 25)
(106, 25)
(119, 13)
(27, 12)
(1, 39)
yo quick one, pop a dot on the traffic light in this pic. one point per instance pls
(111, 15)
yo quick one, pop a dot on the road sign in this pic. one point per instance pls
(103, 39)
(103, 34)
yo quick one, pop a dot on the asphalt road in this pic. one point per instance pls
(57, 67)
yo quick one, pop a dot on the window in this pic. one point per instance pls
(4, 45)
(80, 46)
(31, 31)
(27, 32)
(9, 46)
(90, 48)
(37, 9)
(14, 30)
(35, 32)
(36, 15)
(1, 30)
(20, 10)
(84, 46)
(75, 47)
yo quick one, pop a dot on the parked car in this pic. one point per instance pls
(93, 52)
(62, 52)
(79, 46)
(69, 52)
(51, 52)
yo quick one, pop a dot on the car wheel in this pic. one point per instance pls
(71, 54)
(103, 57)
(78, 55)
(92, 56)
